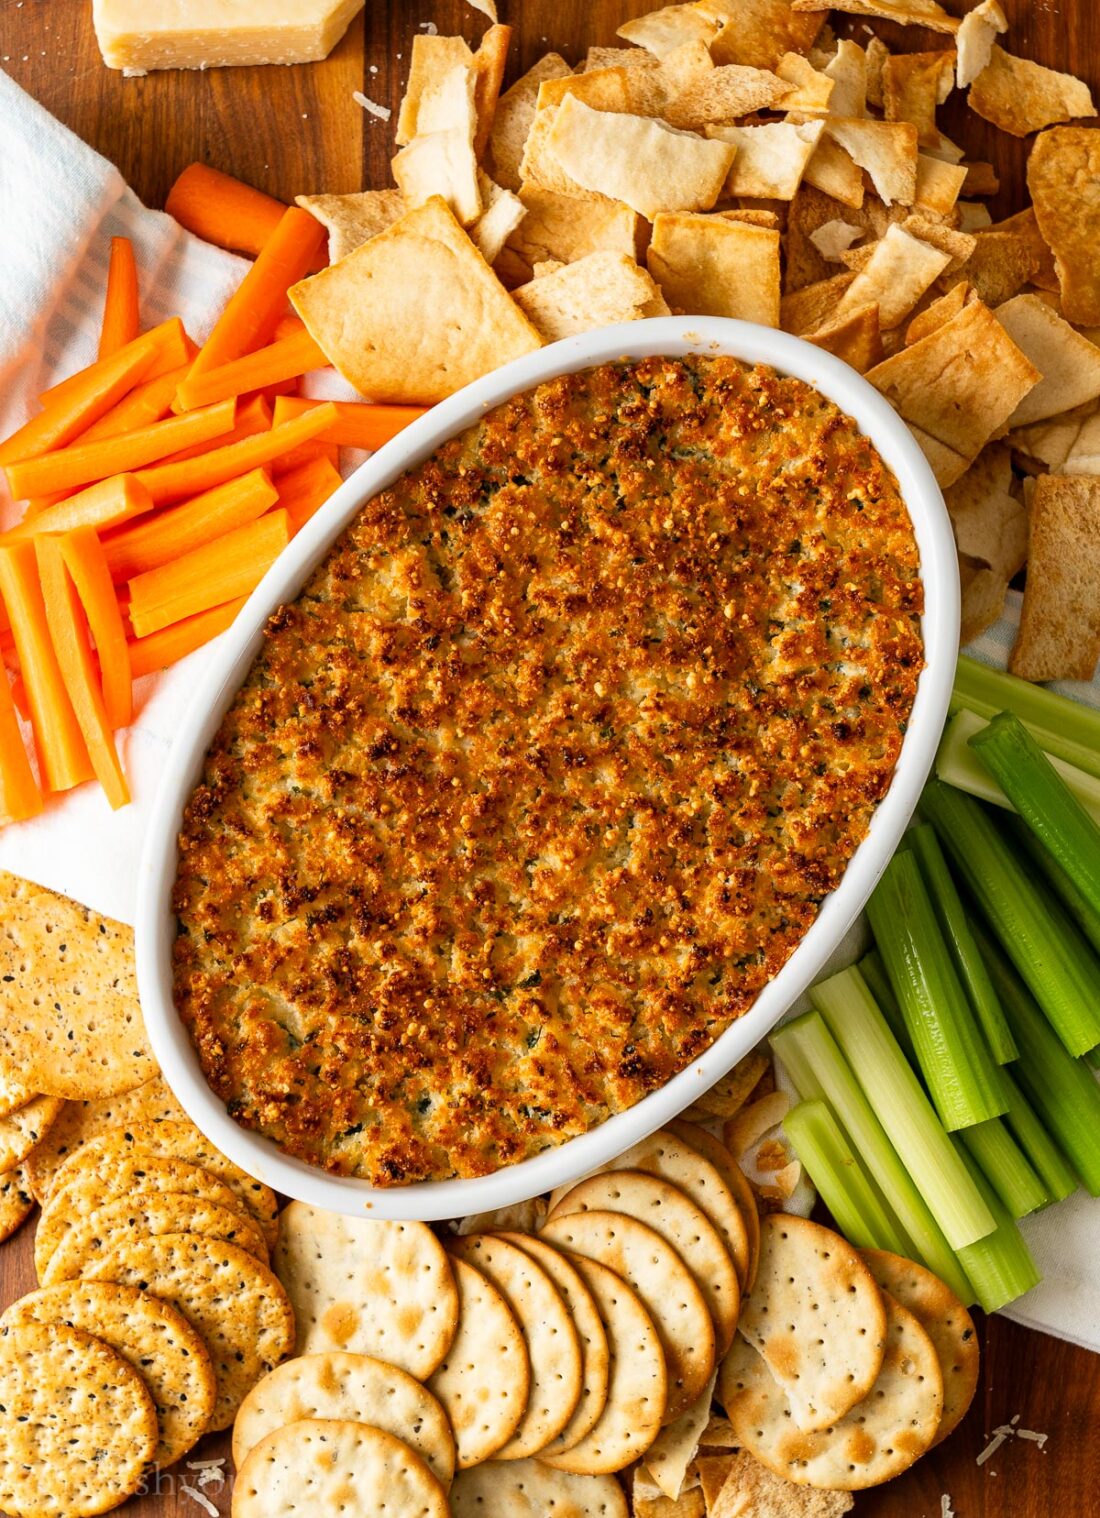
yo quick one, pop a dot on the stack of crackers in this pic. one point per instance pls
(740, 158)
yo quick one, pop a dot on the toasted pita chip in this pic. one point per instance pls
(486, 7)
(973, 216)
(939, 185)
(619, 57)
(568, 227)
(813, 306)
(712, 266)
(810, 210)
(1025, 224)
(1021, 97)
(664, 30)
(650, 166)
(1063, 175)
(901, 268)
(759, 32)
(975, 38)
(723, 95)
(990, 524)
(490, 61)
(835, 238)
(770, 159)
(394, 348)
(810, 91)
(752, 216)
(1084, 454)
(352, 219)
(602, 89)
(669, 1456)
(596, 291)
(913, 85)
(909, 12)
(502, 214)
(886, 149)
(1000, 265)
(957, 386)
(836, 174)
(1069, 363)
(675, 72)
(856, 338)
(983, 598)
(940, 311)
(848, 71)
(1049, 444)
(514, 117)
(690, 1505)
(958, 245)
(877, 54)
(1059, 637)
(540, 165)
(449, 104)
(443, 165)
(749, 1488)
(433, 59)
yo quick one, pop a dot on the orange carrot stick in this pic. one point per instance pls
(178, 639)
(69, 635)
(172, 347)
(104, 505)
(78, 465)
(253, 416)
(358, 424)
(174, 482)
(87, 565)
(120, 306)
(62, 752)
(303, 455)
(19, 696)
(284, 359)
(304, 490)
(222, 210)
(149, 402)
(228, 567)
(170, 534)
(254, 309)
(287, 325)
(20, 797)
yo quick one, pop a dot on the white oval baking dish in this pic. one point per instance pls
(671, 336)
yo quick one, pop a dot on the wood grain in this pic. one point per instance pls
(297, 130)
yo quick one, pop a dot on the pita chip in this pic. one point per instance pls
(441, 164)
(939, 185)
(1063, 175)
(689, 1505)
(958, 245)
(810, 91)
(618, 57)
(596, 291)
(813, 306)
(714, 266)
(957, 387)
(908, 12)
(983, 598)
(901, 268)
(809, 210)
(990, 524)
(675, 1447)
(635, 159)
(934, 315)
(1048, 445)
(568, 227)
(1021, 97)
(759, 32)
(848, 70)
(835, 238)
(1025, 224)
(973, 216)
(974, 40)
(664, 30)
(913, 85)
(502, 214)
(886, 149)
(540, 165)
(486, 7)
(724, 94)
(1084, 454)
(1069, 363)
(515, 115)
(1059, 636)
(433, 59)
(877, 54)
(856, 338)
(771, 159)
(749, 1488)
(396, 348)
(1000, 265)
(352, 219)
(602, 89)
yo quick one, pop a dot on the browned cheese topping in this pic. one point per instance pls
(547, 770)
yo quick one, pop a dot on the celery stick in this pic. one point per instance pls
(874, 973)
(958, 1071)
(812, 1058)
(999, 1266)
(1007, 1169)
(958, 765)
(1062, 727)
(844, 1185)
(902, 1107)
(1043, 800)
(1079, 908)
(1050, 1164)
(1054, 960)
(951, 915)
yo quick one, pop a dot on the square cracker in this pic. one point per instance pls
(353, 219)
(596, 291)
(1021, 97)
(1059, 637)
(1063, 175)
(515, 115)
(393, 346)
(70, 1024)
(713, 266)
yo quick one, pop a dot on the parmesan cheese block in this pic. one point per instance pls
(202, 34)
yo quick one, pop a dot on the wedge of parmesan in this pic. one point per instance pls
(205, 34)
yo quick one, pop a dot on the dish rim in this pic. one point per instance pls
(671, 337)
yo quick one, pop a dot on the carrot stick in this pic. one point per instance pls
(222, 210)
(19, 696)
(69, 467)
(221, 570)
(174, 482)
(253, 416)
(87, 565)
(304, 454)
(104, 505)
(253, 310)
(287, 358)
(62, 752)
(69, 635)
(149, 402)
(20, 797)
(304, 490)
(170, 534)
(120, 306)
(287, 325)
(358, 424)
(178, 639)
(169, 339)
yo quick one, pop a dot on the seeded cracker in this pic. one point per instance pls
(78, 1425)
(156, 1340)
(16, 1202)
(24, 1129)
(529, 1489)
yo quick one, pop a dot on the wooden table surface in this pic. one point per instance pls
(297, 130)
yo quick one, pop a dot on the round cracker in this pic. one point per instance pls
(484, 1378)
(715, 1153)
(16, 1202)
(817, 1318)
(341, 1387)
(665, 1285)
(874, 1441)
(529, 1489)
(553, 1349)
(92, 1188)
(944, 1319)
(78, 1426)
(24, 1129)
(637, 1387)
(595, 1358)
(157, 1341)
(233, 1302)
(315, 1466)
(14, 1092)
(664, 1208)
(368, 1286)
(147, 1214)
(175, 1139)
(80, 1122)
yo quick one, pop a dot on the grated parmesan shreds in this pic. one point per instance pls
(429, 27)
(206, 1465)
(372, 107)
(991, 1448)
(199, 1497)
(1035, 1438)
(946, 1510)
(211, 1477)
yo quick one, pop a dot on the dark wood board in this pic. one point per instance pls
(297, 130)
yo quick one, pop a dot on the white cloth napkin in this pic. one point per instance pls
(61, 204)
